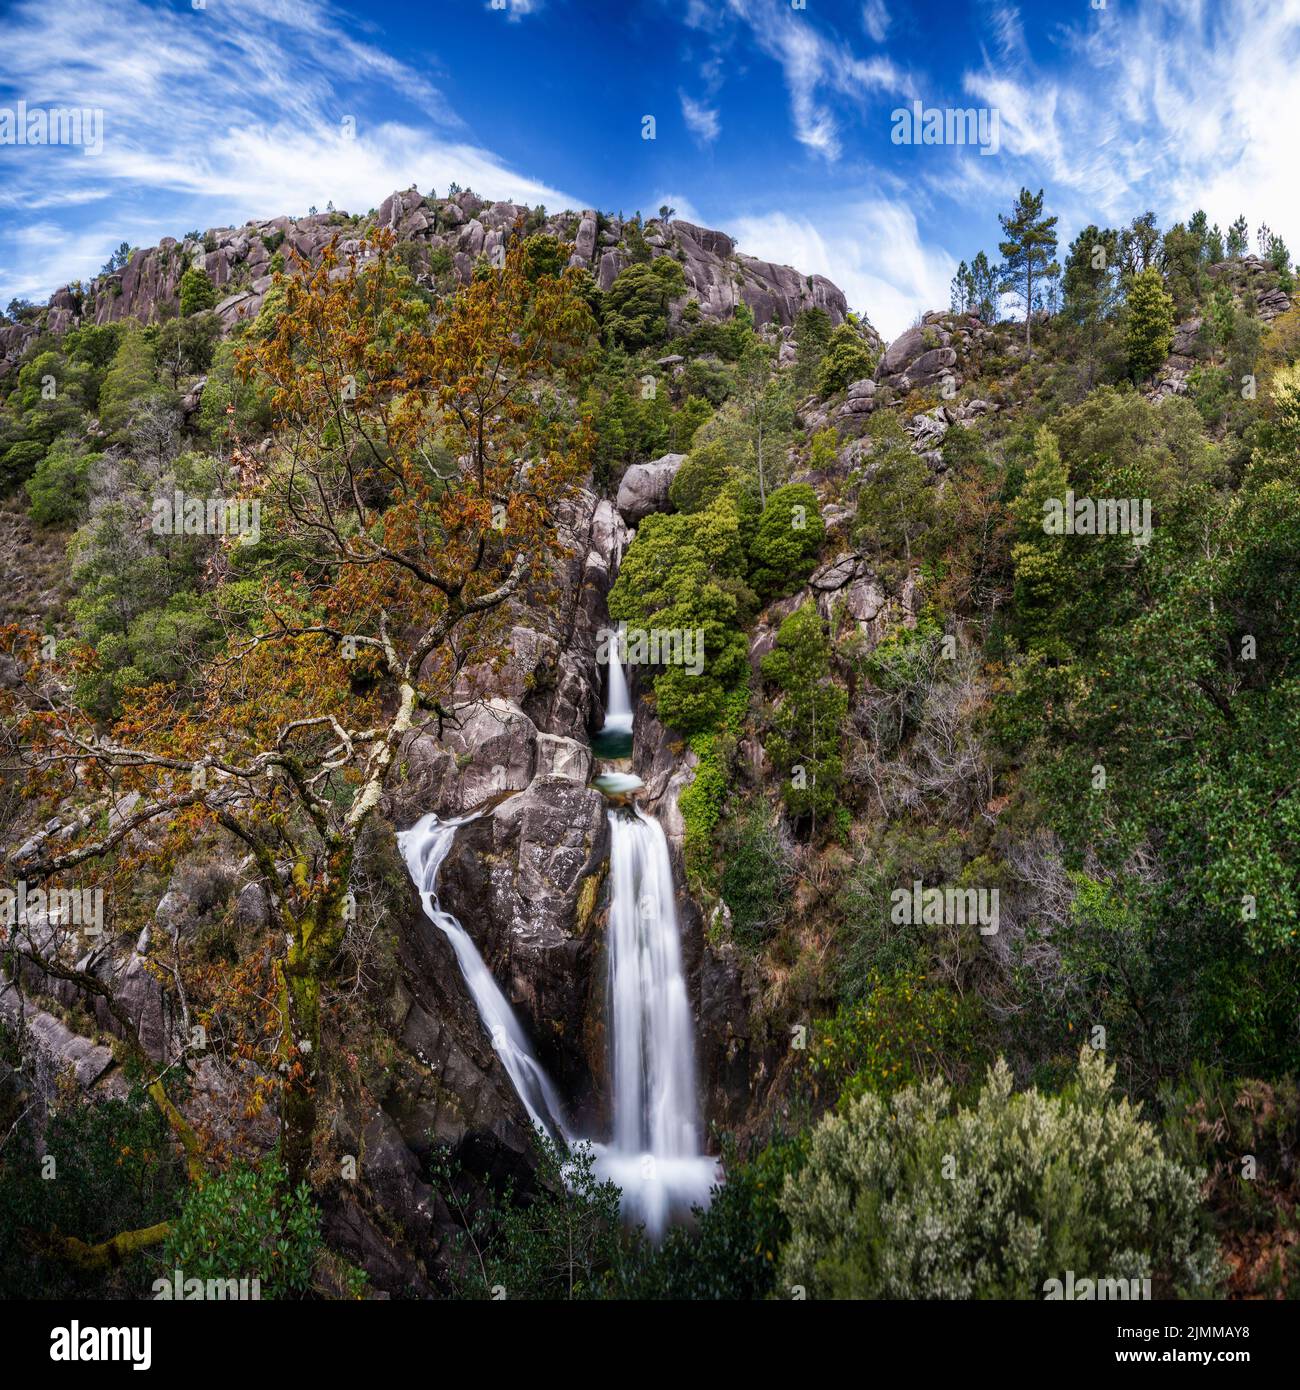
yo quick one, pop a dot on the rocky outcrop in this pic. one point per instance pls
(57, 1050)
(1253, 280)
(1253, 283)
(1188, 340)
(719, 277)
(487, 747)
(860, 399)
(738, 1054)
(645, 486)
(849, 595)
(666, 764)
(526, 880)
(432, 232)
(927, 354)
(529, 714)
(1171, 381)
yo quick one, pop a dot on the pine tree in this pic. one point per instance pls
(1199, 226)
(1028, 250)
(1150, 332)
(1238, 237)
(132, 375)
(1042, 575)
(986, 280)
(961, 292)
(197, 291)
(1089, 280)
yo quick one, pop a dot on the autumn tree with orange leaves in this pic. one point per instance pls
(418, 464)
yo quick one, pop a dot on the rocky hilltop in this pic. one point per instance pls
(438, 236)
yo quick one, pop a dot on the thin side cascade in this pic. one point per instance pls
(424, 847)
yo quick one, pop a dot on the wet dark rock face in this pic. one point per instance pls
(527, 881)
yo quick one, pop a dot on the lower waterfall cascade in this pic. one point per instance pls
(655, 1156)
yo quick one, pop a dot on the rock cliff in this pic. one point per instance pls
(436, 236)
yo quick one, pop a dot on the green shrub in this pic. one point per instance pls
(185, 346)
(700, 479)
(908, 1198)
(824, 454)
(897, 506)
(784, 549)
(684, 574)
(847, 359)
(19, 461)
(132, 376)
(812, 336)
(1150, 325)
(636, 307)
(544, 256)
(225, 387)
(806, 725)
(58, 487)
(246, 1223)
(197, 291)
(899, 1032)
(755, 873)
(701, 802)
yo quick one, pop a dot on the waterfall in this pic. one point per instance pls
(653, 1047)
(424, 847)
(618, 706)
(655, 1155)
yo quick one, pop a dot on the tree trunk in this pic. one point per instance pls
(301, 1054)
(108, 1254)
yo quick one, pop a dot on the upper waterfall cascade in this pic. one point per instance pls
(618, 708)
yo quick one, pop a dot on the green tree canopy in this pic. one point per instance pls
(806, 723)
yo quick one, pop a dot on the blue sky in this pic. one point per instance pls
(773, 120)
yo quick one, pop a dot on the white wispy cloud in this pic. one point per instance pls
(872, 249)
(875, 20)
(215, 115)
(821, 72)
(1171, 104)
(701, 120)
(514, 10)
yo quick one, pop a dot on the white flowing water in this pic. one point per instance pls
(618, 705)
(655, 1155)
(424, 846)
